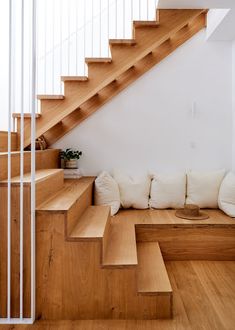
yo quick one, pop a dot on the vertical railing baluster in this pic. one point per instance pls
(53, 49)
(76, 37)
(33, 134)
(22, 163)
(108, 13)
(61, 42)
(124, 18)
(100, 45)
(9, 167)
(84, 35)
(116, 19)
(92, 27)
(69, 2)
(45, 46)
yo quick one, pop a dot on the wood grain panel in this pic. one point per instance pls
(4, 141)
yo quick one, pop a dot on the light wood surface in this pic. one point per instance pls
(25, 115)
(124, 80)
(74, 78)
(98, 60)
(121, 246)
(152, 277)
(210, 307)
(146, 23)
(91, 225)
(122, 41)
(50, 97)
(103, 74)
(4, 141)
(48, 158)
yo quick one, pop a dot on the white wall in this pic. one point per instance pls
(150, 124)
(233, 100)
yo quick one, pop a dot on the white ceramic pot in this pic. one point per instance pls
(72, 163)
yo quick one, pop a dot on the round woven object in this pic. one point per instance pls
(191, 212)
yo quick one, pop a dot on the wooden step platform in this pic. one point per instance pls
(74, 78)
(48, 158)
(71, 200)
(128, 42)
(98, 60)
(152, 277)
(121, 246)
(92, 224)
(4, 141)
(50, 97)
(18, 115)
(47, 182)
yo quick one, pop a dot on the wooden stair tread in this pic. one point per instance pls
(67, 196)
(146, 23)
(40, 175)
(122, 41)
(121, 246)
(98, 59)
(152, 277)
(92, 223)
(74, 78)
(50, 97)
(25, 115)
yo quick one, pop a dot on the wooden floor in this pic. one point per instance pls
(204, 298)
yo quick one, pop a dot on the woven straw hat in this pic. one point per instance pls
(191, 212)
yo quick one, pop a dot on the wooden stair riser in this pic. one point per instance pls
(89, 107)
(44, 159)
(102, 74)
(83, 290)
(49, 186)
(4, 141)
(76, 211)
(182, 243)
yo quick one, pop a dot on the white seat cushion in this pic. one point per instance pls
(168, 191)
(134, 192)
(203, 188)
(226, 198)
(107, 192)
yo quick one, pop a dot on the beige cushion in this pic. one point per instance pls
(168, 191)
(203, 188)
(226, 198)
(107, 192)
(134, 192)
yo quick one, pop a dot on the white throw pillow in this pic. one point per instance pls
(134, 192)
(226, 198)
(107, 192)
(203, 188)
(168, 191)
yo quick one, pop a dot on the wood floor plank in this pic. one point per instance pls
(192, 309)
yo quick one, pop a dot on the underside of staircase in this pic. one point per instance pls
(131, 58)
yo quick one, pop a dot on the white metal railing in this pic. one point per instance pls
(40, 52)
(71, 30)
(20, 12)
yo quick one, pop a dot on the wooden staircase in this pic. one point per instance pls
(151, 42)
(101, 271)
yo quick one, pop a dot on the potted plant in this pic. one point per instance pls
(70, 157)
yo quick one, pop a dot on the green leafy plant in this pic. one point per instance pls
(69, 154)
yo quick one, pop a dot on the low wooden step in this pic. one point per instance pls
(92, 224)
(48, 158)
(50, 97)
(74, 78)
(4, 141)
(25, 115)
(47, 182)
(138, 24)
(98, 59)
(152, 277)
(121, 246)
(72, 199)
(130, 42)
